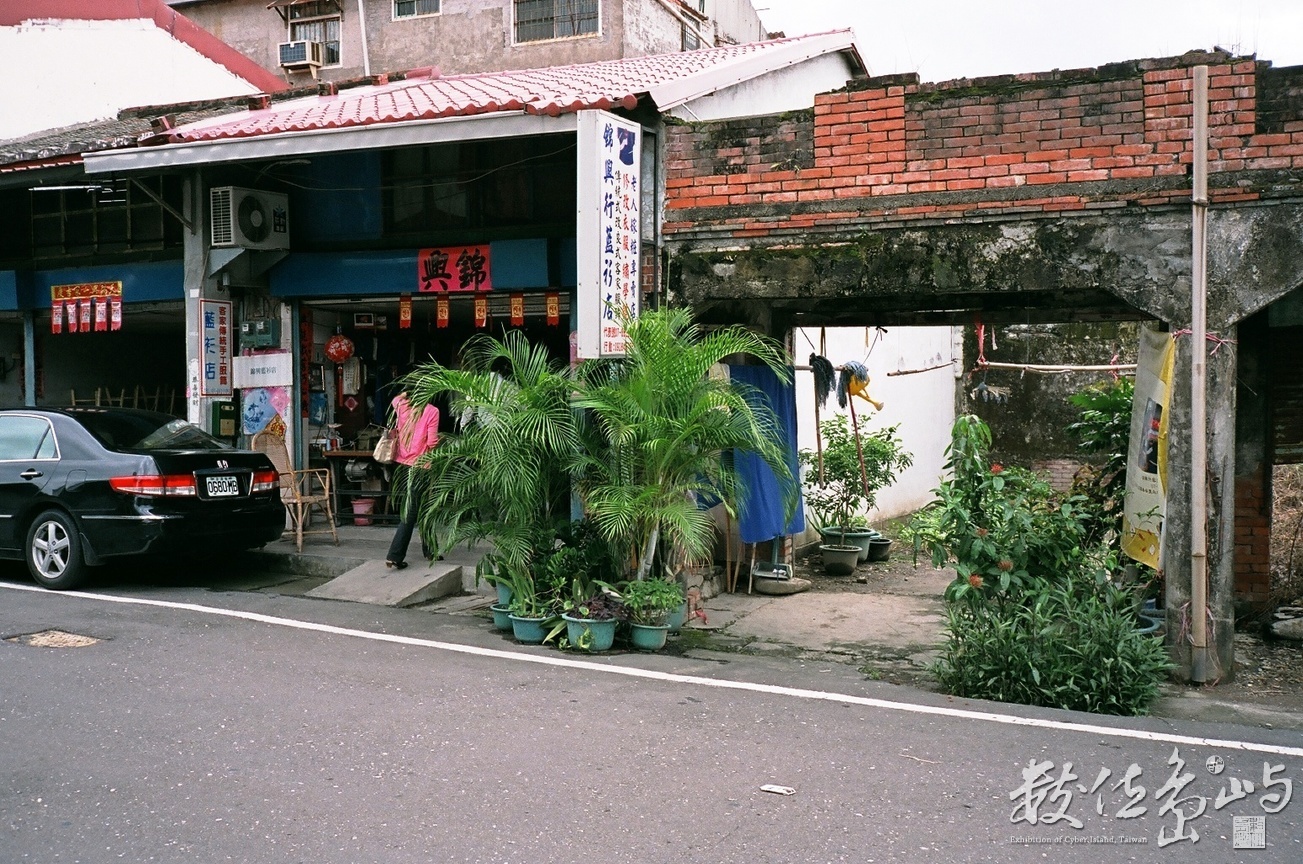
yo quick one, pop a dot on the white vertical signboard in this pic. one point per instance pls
(609, 217)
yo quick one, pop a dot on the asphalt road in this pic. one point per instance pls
(215, 725)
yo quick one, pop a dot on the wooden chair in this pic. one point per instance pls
(302, 491)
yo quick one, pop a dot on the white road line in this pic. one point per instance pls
(723, 684)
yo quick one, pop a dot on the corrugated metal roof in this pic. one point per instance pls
(552, 91)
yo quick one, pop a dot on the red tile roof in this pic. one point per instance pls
(553, 91)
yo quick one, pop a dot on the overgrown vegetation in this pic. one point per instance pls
(1035, 614)
(844, 495)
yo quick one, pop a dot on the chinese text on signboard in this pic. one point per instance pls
(609, 230)
(454, 268)
(215, 347)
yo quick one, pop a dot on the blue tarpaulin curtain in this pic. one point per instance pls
(760, 510)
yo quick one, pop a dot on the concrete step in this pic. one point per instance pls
(373, 582)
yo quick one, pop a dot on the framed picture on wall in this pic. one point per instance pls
(317, 378)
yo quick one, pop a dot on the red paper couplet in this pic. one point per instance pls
(441, 312)
(73, 318)
(481, 311)
(405, 312)
(115, 313)
(56, 318)
(553, 308)
(517, 310)
(101, 314)
(85, 315)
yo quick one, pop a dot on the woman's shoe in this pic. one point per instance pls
(395, 565)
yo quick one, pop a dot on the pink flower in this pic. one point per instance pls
(997, 468)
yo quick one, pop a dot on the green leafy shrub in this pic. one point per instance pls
(650, 601)
(1073, 646)
(842, 499)
(1004, 529)
(1103, 429)
(1035, 614)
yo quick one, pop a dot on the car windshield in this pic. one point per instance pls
(144, 431)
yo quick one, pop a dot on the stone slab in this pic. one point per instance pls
(373, 582)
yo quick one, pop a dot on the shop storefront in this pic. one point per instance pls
(111, 335)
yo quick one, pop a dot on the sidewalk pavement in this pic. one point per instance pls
(890, 631)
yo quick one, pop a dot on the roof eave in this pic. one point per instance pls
(675, 93)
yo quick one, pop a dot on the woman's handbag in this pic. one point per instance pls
(384, 450)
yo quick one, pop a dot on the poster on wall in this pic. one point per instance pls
(215, 327)
(264, 409)
(454, 268)
(609, 226)
(1146, 499)
(271, 369)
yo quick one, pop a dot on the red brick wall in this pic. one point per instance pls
(1252, 539)
(894, 148)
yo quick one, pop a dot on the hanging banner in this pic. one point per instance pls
(553, 301)
(517, 310)
(215, 328)
(454, 268)
(405, 312)
(115, 313)
(608, 230)
(481, 311)
(1146, 498)
(441, 312)
(78, 305)
(56, 318)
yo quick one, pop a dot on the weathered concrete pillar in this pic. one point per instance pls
(1221, 367)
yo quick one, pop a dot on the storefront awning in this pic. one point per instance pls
(291, 144)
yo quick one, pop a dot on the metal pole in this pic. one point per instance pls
(366, 50)
(1198, 387)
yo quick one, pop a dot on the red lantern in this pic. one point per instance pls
(339, 348)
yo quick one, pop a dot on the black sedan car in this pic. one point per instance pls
(79, 486)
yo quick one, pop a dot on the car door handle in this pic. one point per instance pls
(31, 474)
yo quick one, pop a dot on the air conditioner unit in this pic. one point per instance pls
(248, 218)
(300, 54)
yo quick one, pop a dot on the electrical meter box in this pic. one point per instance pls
(224, 420)
(260, 333)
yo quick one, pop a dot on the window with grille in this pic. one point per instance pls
(317, 22)
(413, 8)
(554, 19)
(691, 39)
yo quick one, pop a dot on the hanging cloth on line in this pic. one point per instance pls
(760, 508)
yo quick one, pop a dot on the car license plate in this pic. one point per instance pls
(223, 486)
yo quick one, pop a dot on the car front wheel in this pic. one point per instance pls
(54, 551)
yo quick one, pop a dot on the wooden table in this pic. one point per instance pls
(344, 490)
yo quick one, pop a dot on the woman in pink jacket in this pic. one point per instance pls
(415, 435)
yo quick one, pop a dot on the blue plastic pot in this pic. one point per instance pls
(678, 618)
(501, 616)
(528, 630)
(648, 637)
(599, 634)
(1147, 625)
(504, 594)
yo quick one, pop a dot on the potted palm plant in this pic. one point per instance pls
(841, 497)
(658, 428)
(505, 475)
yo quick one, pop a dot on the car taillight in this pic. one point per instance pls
(265, 481)
(167, 485)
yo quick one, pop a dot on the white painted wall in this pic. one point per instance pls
(64, 72)
(790, 89)
(923, 404)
